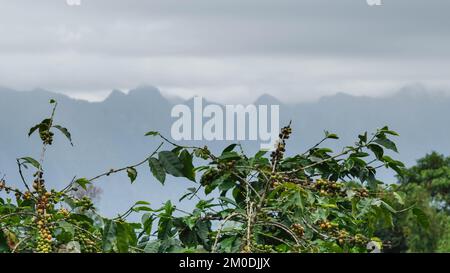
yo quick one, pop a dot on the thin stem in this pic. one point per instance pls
(315, 146)
(112, 171)
(22, 176)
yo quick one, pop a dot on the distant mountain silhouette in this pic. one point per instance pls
(110, 133)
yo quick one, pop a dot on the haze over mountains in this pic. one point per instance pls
(110, 134)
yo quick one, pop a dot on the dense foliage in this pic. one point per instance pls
(316, 201)
(426, 187)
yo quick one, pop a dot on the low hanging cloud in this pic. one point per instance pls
(224, 50)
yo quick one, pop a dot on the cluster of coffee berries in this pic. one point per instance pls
(203, 153)
(280, 149)
(38, 183)
(342, 236)
(363, 193)
(246, 249)
(44, 203)
(327, 226)
(260, 248)
(27, 195)
(47, 137)
(326, 187)
(86, 243)
(64, 212)
(285, 132)
(209, 176)
(84, 203)
(44, 242)
(298, 229)
(276, 179)
(226, 165)
(360, 239)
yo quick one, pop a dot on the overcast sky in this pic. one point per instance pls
(226, 50)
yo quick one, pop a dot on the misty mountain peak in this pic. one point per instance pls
(146, 92)
(267, 99)
(143, 94)
(115, 95)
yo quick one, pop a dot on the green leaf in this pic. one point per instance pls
(388, 207)
(377, 150)
(147, 223)
(225, 184)
(31, 161)
(397, 166)
(43, 126)
(171, 163)
(33, 129)
(152, 133)
(152, 246)
(228, 200)
(230, 244)
(399, 198)
(323, 151)
(188, 237)
(165, 224)
(177, 150)
(260, 154)
(331, 136)
(363, 137)
(157, 170)
(229, 148)
(349, 163)
(188, 168)
(386, 130)
(109, 236)
(65, 231)
(421, 217)
(297, 200)
(82, 182)
(65, 132)
(142, 203)
(228, 156)
(142, 208)
(359, 154)
(203, 228)
(132, 174)
(386, 143)
(123, 237)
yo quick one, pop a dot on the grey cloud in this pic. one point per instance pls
(149, 28)
(245, 47)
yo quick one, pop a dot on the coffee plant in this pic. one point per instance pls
(316, 201)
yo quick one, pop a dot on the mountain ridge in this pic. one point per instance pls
(110, 134)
